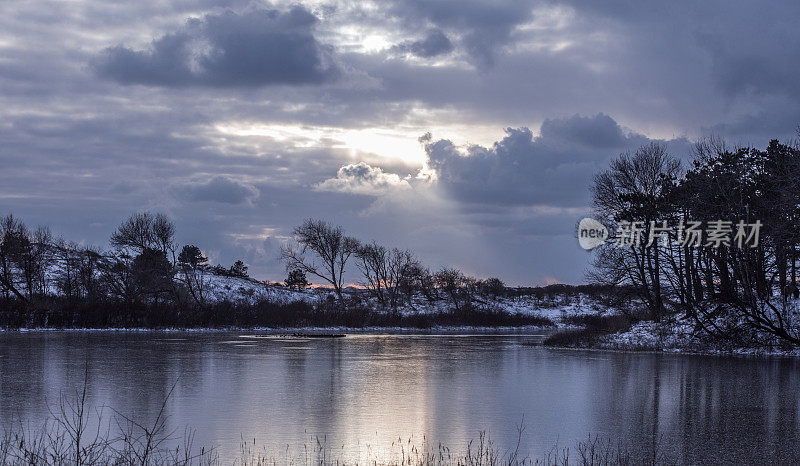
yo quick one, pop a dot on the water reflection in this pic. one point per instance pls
(362, 393)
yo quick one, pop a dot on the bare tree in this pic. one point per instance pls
(492, 287)
(88, 269)
(67, 257)
(454, 284)
(41, 259)
(636, 188)
(142, 266)
(164, 234)
(419, 279)
(117, 277)
(372, 261)
(402, 269)
(26, 257)
(136, 232)
(330, 246)
(144, 230)
(386, 273)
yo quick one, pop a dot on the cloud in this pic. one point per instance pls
(361, 178)
(434, 44)
(553, 169)
(746, 48)
(255, 48)
(740, 67)
(599, 131)
(79, 154)
(220, 189)
(484, 27)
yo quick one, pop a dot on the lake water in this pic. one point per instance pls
(361, 393)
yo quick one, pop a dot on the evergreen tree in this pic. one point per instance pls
(297, 280)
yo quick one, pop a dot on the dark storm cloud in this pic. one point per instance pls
(553, 169)
(599, 132)
(742, 54)
(219, 189)
(742, 67)
(752, 48)
(229, 49)
(484, 27)
(434, 44)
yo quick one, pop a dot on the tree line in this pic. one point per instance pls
(391, 276)
(144, 264)
(146, 269)
(744, 293)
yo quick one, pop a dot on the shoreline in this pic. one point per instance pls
(734, 353)
(461, 331)
(659, 338)
(444, 330)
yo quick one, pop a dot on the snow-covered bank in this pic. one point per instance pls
(678, 337)
(219, 288)
(556, 308)
(566, 318)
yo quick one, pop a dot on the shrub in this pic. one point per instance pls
(594, 327)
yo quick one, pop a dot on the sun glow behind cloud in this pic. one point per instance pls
(384, 142)
(400, 143)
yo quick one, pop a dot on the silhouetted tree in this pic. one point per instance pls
(26, 257)
(192, 257)
(238, 269)
(331, 247)
(419, 279)
(11, 233)
(117, 278)
(152, 272)
(89, 261)
(726, 289)
(143, 242)
(453, 283)
(402, 269)
(493, 287)
(144, 230)
(372, 261)
(297, 280)
(67, 257)
(192, 265)
(219, 269)
(637, 188)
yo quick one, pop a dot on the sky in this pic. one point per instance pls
(467, 131)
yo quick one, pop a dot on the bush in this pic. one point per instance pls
(594, 326)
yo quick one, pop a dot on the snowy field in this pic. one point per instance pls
(557, 309)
